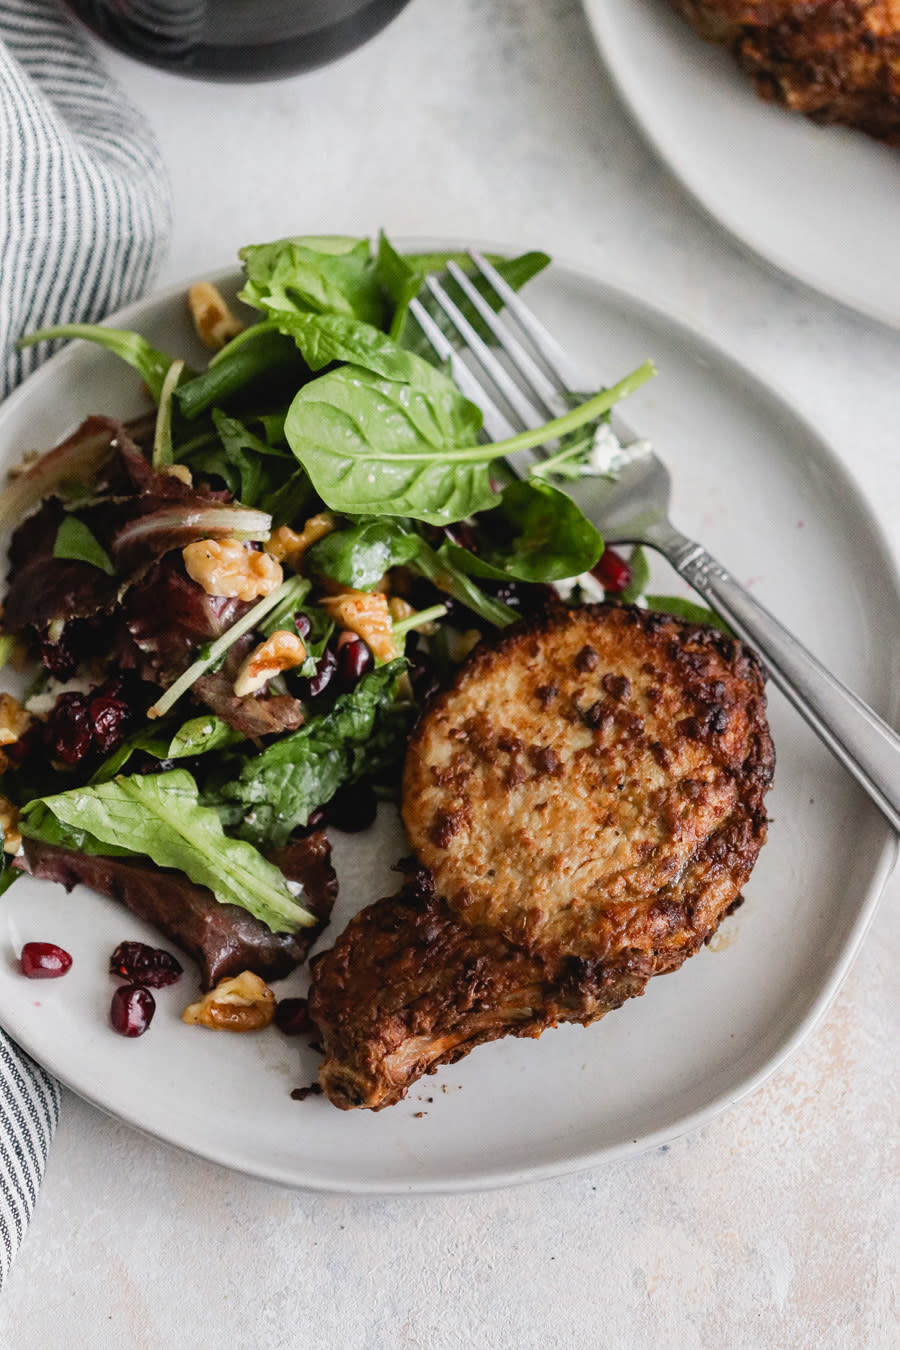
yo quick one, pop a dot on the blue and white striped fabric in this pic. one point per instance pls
(84, 214)
(84, 220)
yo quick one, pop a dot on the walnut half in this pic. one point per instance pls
(242, 1003)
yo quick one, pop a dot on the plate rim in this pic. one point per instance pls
(773, 394)
(599, 22)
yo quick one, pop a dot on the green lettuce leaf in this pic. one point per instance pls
(74, 540)
(159, 815)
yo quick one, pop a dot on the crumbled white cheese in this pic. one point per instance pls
(40, 704)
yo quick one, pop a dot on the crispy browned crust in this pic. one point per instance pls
(576, 768)
(835, 60)
(555, 893)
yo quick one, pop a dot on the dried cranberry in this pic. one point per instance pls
(292, 1017)
(315, 818)
(352, 808)
(44, 961)
(612, 571)
(109, 718)
(59, 658)
(131, 1010)
(142, 964)
(69, 729)
(353, 661)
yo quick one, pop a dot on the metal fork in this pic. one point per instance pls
(633, 508)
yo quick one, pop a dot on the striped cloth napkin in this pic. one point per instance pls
(84, 219)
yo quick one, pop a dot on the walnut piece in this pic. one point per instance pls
(229, 568)
(9, 821)
(367, 615)
(14, 720)
(281, 651)
(242, 1003)
(213, 320)
(288, 546)
(181, 472)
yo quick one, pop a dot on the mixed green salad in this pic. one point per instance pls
(234, 608)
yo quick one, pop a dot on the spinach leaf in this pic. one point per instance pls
(363, 733)
(360, 556)
(403, 275)
(159, 815)
(244, 460)
(74, 540)
(640, 575)
(151, 365)
(376, 446)
(687, 610)
(373, 445)
(195, 737)
(291, 501)
(201, 735)
(323, 338)
(537, 533)
(317, 274)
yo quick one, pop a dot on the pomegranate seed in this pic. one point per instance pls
(44, 961)
(131, 1010)
(353, 661)
(292, 1017)
(142, 964)
(612, 571)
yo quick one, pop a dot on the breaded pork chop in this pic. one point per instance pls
(585, 804)
(835, 60)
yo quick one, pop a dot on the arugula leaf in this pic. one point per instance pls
(318, 274)
(548, 537)
(159, 815)
(362, 733)
(376, 446)
(687, 610)
(151, 365)
(74, 540)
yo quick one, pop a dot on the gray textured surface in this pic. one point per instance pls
(774, 1226)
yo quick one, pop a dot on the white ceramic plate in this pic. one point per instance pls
(819, 203)
(756, 483)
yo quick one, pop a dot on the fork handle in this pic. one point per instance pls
(861, 740)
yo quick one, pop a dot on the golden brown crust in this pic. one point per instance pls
(577, 767)
(835, 60)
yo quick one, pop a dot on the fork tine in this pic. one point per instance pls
(542, 387)
(523, 408)
(496, 423)
(556, 358)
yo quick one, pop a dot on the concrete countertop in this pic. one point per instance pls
(775, 1225)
